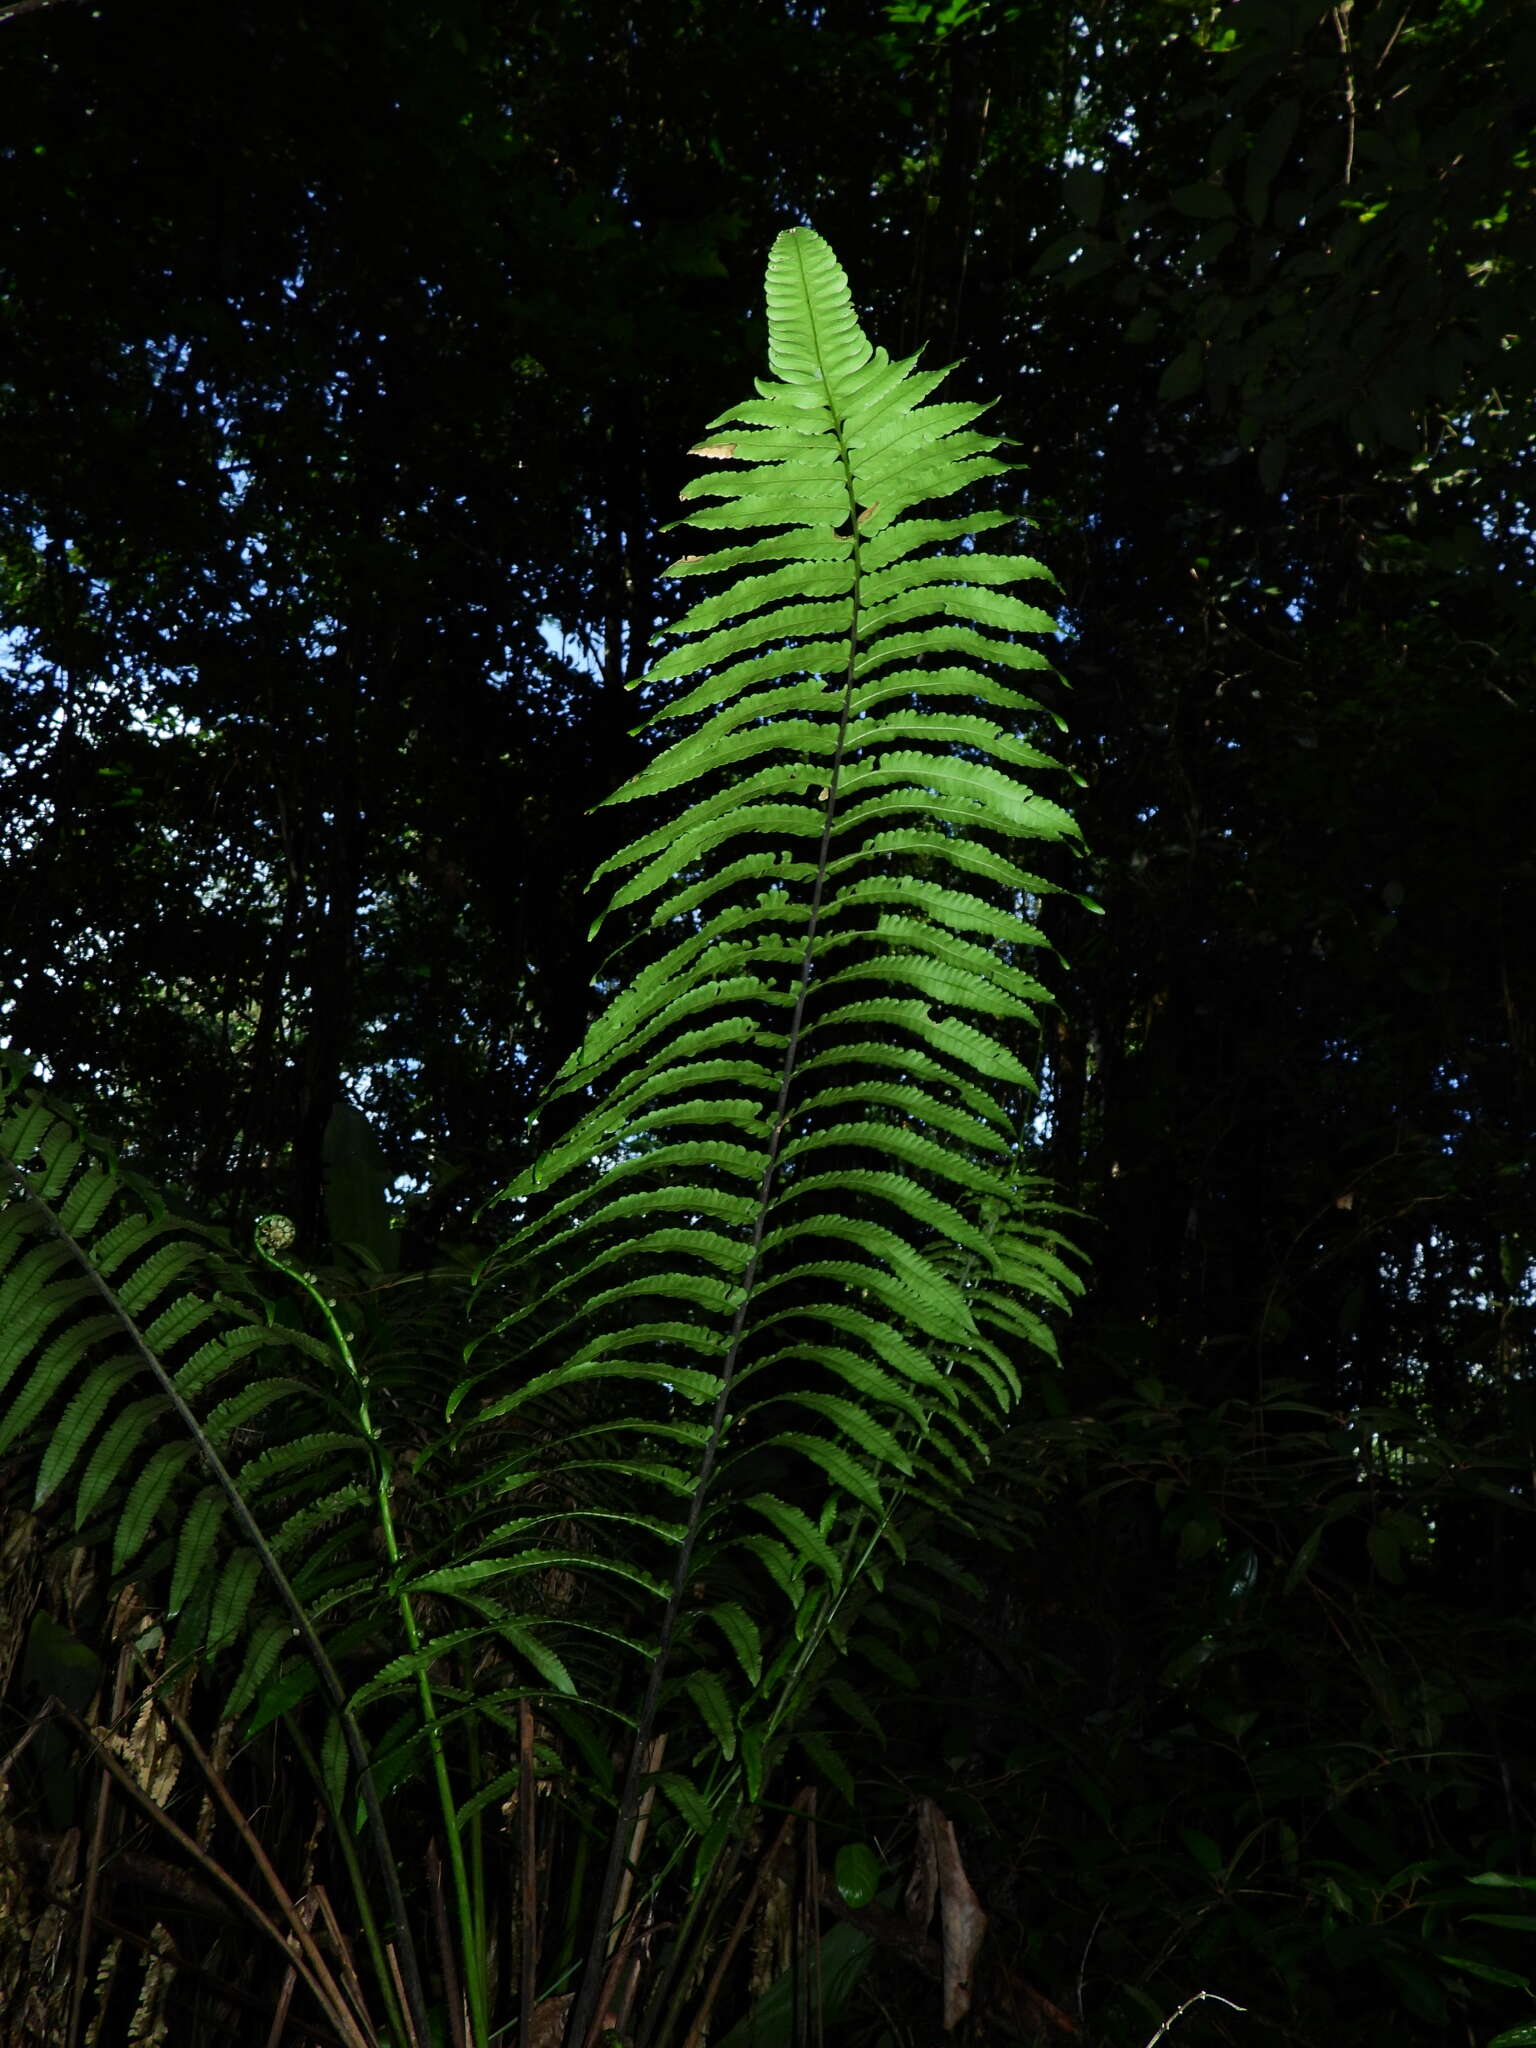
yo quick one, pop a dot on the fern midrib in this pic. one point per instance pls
(584, 2012)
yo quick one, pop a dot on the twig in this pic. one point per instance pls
(25, 7)
(528, 1956)
(451, 1995)
(405, 2006)
(654, 1755)
(290, 1977)
(733, 1940)
(335, 2008)
(621, 1931)
(298, 1922)
(1082, 1968)
(93, 1864)
(1341, 26)
(1184, 2008)
(811, 1921)
(333, 1927)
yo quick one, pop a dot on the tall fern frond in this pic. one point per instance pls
(789, 1234)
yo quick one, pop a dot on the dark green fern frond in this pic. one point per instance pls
(98, 1281)
(210, 1444)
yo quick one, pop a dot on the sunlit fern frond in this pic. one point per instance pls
(816, 1068)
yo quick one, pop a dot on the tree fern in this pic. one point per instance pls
(789, 1229)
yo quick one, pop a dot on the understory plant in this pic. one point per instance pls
(759, 1308)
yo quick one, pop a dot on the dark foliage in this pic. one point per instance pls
(347, 363)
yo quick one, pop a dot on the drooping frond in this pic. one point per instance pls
(227, 1457)
(99, 1283)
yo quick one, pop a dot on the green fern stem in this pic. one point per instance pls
(471, 1949)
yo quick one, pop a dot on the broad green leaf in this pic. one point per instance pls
(857, 1872)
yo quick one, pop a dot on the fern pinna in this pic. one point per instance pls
(791, 1210)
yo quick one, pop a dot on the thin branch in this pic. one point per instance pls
(528, 1952)
(25, 7)
(1341, 25)
(727, 1955)
(335, 2010)
(1184, 2008)
(1391, 39)
(94, 1863)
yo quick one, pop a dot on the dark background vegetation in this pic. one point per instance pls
(348, 360)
